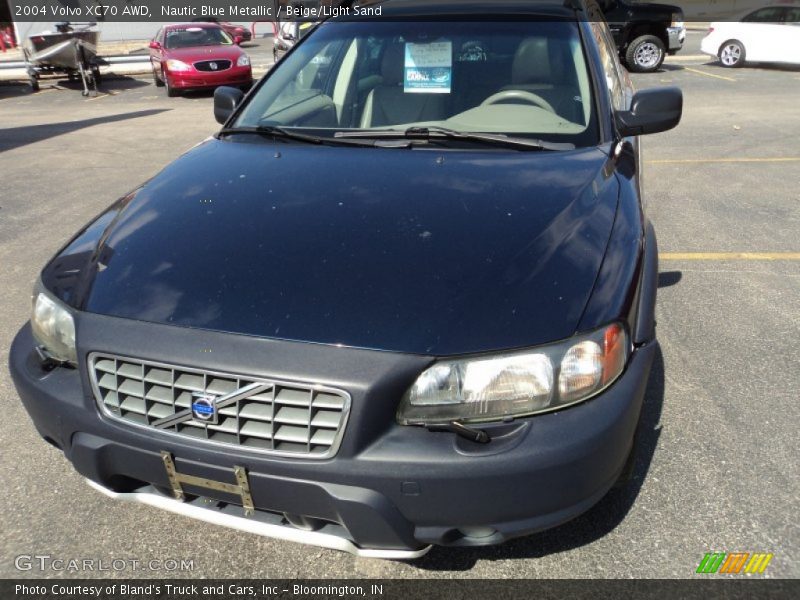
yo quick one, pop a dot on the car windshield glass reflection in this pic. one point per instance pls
(196, 36)
(523, 79)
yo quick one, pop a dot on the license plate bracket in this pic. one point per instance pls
(241, 488)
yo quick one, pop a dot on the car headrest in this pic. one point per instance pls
(393, 64)
(532, 61)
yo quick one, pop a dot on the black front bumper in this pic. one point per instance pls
(389, 487)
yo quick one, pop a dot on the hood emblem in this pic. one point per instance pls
(213, 66)
(204, 408)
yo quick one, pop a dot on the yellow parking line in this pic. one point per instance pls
(699, 72)
(686, 161)
(729, 256)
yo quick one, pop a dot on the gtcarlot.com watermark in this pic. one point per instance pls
(57, 564)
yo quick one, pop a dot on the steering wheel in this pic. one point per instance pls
(523, 95)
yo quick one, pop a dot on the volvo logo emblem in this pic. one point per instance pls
(213, 66)
(204, 408)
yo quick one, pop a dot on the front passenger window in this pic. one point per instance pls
(793, 16)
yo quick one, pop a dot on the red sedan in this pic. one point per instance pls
(198, 55)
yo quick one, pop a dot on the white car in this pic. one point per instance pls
(769, 34)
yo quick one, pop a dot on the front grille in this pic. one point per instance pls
(290, 419)
(218, 65)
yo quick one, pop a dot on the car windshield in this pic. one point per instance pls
(196, 36)
(523, 79)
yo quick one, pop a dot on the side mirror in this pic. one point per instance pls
(652, 111)
(238, 40)
(226, 99)
(154, 45)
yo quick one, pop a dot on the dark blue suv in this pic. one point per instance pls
(404, 297)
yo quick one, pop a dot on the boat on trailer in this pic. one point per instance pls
(67, 51)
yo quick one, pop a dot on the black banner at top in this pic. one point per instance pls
(165, 11)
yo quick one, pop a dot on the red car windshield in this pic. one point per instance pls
(196, 36)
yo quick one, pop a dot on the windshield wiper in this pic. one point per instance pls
(283, 133)
(436, 132)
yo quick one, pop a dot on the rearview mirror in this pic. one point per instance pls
(226, 99)
(154, 45)
(652, 111)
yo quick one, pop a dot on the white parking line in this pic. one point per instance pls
(680, 57)
(699, 72)
(688, 161)
(729, 256)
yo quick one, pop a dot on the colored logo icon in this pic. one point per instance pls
(734, 562)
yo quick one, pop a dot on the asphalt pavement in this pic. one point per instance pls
(717, 468)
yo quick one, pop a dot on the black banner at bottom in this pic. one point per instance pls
(257, 589)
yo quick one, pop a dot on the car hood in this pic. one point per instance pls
(414, 251)
(205, 53)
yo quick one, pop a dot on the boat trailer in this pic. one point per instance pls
(68, 51)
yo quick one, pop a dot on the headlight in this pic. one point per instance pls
(517, 384)
(243, 61)
(677, 20)
(53, 327)
(177, 65)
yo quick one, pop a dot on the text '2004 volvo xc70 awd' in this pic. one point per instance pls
(404, 297)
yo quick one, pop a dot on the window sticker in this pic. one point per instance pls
(428, 68)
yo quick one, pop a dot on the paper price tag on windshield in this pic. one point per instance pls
(428, 68)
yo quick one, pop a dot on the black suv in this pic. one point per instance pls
(404, 297)
(644, 32)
